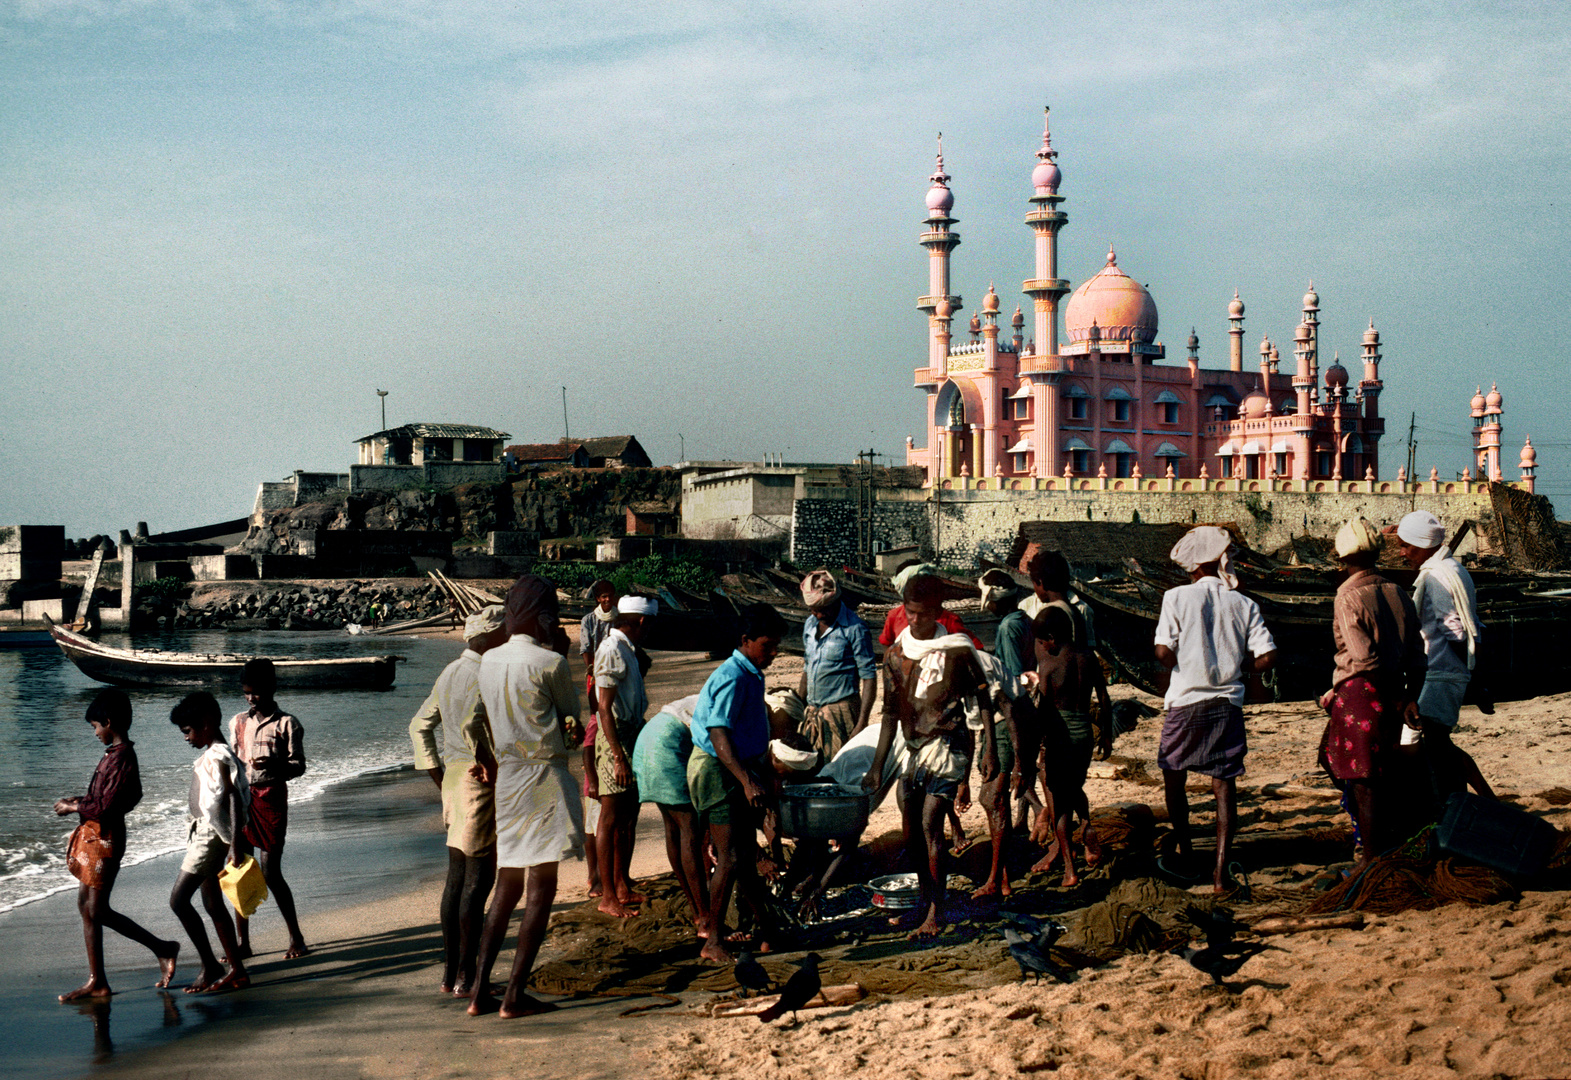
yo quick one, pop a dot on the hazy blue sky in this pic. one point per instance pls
(224, 225)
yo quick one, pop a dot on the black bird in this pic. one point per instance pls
(800, 988)
(1216, 923)
(1040, 932)
(750, 974)
(1032, 955)
(1219, 964)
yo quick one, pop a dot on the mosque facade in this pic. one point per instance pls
(1101, 411)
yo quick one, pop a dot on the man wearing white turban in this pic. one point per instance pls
(1448, 620)
(1210, 636)
(468, 804)
(1379, 669)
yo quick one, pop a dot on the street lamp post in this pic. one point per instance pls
(383, 395)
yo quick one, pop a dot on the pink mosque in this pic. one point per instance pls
(1101, 413)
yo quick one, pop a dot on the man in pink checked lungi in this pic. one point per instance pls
(1210, 635)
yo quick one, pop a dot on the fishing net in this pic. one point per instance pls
(1412, 878)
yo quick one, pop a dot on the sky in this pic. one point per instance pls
(225, 225)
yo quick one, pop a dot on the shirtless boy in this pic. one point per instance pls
(1067, 675)
(928, 679)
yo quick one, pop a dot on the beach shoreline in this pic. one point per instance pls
(365, 1003)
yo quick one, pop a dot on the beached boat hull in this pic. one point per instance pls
(154, 667)
(1521, 653)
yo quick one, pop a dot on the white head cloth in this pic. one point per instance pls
(484, 621)
(792, 758)
(1357, 535)
(637, 605)
(997, 585)
(903, 578)
(1422, 529)
(1206, 544)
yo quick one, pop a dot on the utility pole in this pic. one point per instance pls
(1412, 447)
(684, 445)
(567, 436)
(383, 395)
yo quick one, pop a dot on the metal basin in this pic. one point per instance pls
(896, 892)
(822, 811)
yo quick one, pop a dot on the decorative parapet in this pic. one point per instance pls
(1199, 485)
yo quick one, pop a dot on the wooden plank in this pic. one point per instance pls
(1304, 923)
(84, 605)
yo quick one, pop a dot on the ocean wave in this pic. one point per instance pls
(35, 870)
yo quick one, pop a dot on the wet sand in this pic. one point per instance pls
(1461, 991)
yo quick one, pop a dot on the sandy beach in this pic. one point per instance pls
(1458, 991)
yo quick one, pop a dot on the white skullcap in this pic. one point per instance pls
(792, 758)
(1422, 529)
(637, 605)
(1206, 544)
(484, 621)
(1357, 535)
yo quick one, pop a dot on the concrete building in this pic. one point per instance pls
(1002, 409)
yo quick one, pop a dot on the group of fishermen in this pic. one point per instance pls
(1029, 714)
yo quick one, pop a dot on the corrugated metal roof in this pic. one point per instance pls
(437, 431)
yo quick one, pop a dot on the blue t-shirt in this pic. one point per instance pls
(836, 660)
(733, 698)
(1015, 644)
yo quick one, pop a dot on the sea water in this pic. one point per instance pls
(48, 752)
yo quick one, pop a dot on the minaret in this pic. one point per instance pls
(1304, 376)
(1312, 320)
(1265, 365)
(1371, 386)
(1529, 465)
(1045, 219)
(1235, 317)
(1045, 291)
(1489, 436)
(1193, 345)
(1018, 322)
(939, 240)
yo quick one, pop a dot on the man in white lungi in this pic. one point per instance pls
(530, 701)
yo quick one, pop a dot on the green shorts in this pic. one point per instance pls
(717, 795)
(1006, 748)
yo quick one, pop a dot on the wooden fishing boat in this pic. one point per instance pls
(1520, 654)
(158, 667)
(22, 638)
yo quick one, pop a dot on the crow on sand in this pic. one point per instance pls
(800, 988)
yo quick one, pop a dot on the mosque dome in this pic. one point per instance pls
(1115, 303)
(1529, 456)
(1478, 402)
(1493, 400)
(944, 309)
(1371, 336)
(1311, 299)
(940, 199)
(1235, 310)
(1336, 374)
(1019, 318)
(990, 301)
(1255, 405)
(1194, 340)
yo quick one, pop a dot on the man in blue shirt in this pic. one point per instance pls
(730, 740)
(839, 672)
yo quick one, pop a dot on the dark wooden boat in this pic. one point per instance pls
(19, 638)
(1521, 654)
(157, 667)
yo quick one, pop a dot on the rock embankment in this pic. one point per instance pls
(305, 605)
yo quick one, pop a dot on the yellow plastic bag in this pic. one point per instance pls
(243, 885)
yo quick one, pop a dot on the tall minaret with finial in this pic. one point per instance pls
(1045, 219)
(939, 240)
(1046, 289)
(1312, 321)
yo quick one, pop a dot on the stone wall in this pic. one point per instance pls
(963, 527)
